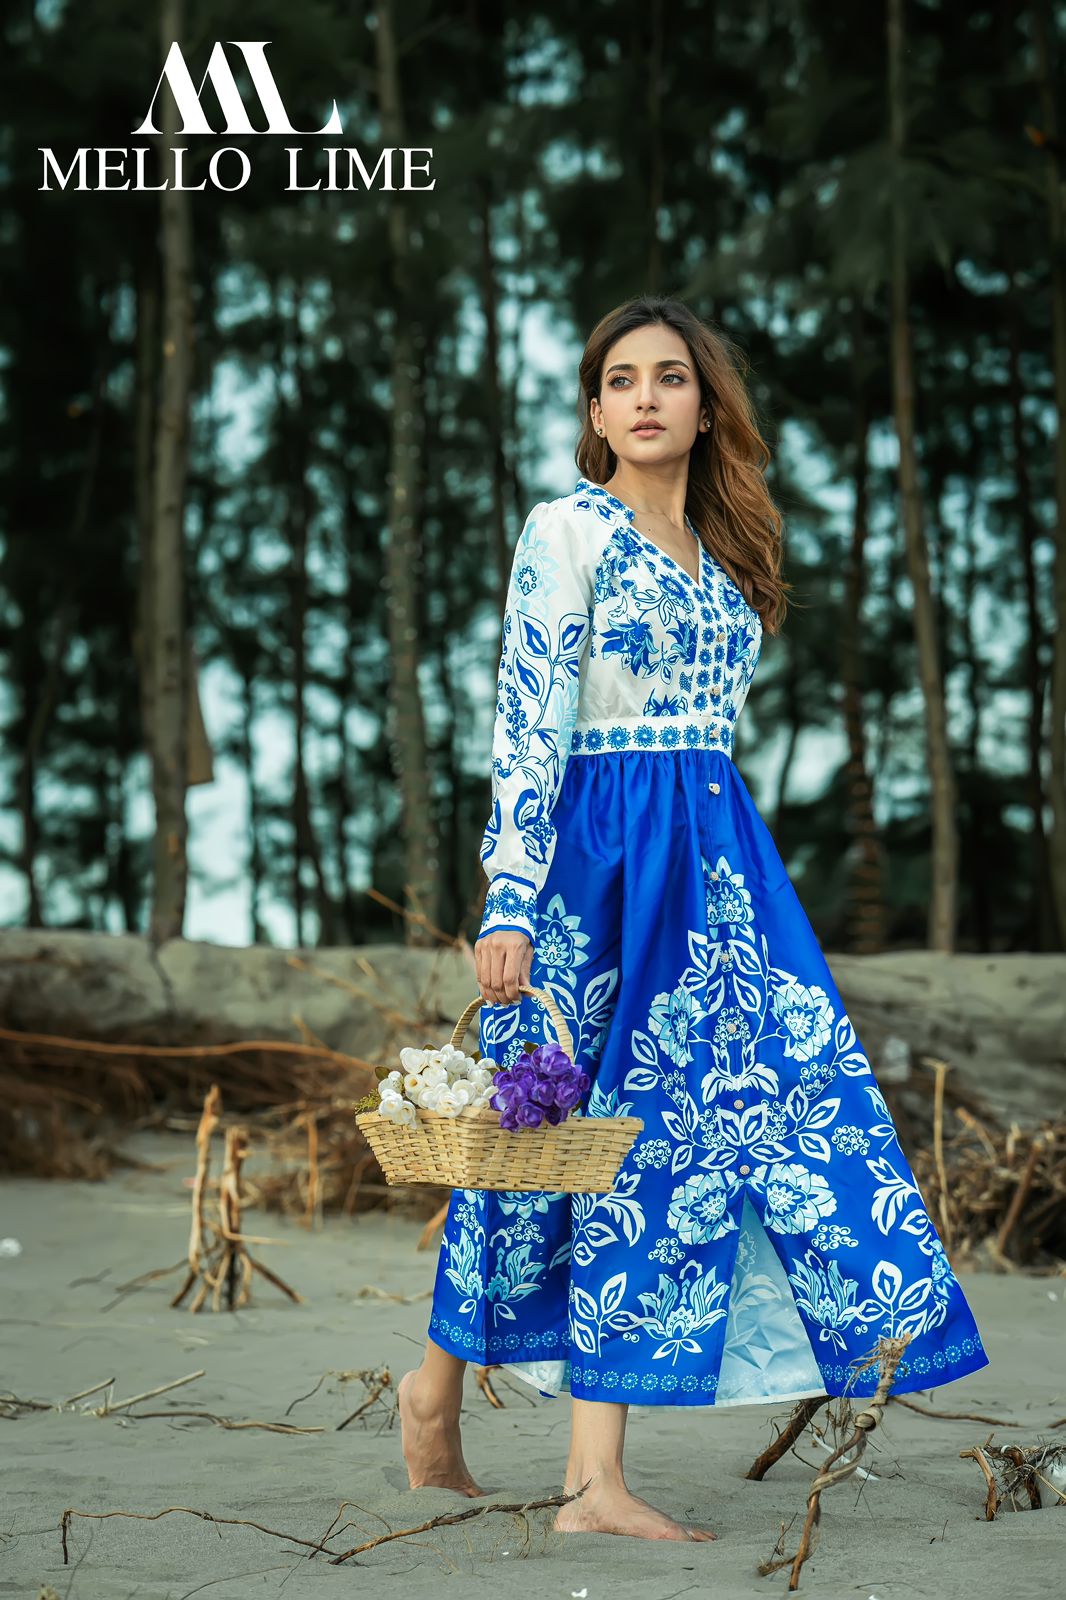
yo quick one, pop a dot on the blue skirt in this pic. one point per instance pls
(765, 1228)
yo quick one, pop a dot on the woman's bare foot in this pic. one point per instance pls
(607, 1507)
(432, 1447)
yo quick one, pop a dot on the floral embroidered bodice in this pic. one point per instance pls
(609, 645)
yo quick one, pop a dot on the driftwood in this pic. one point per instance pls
(314, 1547)
(219, 1261)
(12, 1407)
(151, 1030)
(802, 1413)
(1038, 1474)
(997, 1018)
(887, 1354)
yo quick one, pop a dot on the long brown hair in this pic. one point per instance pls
(727, 499)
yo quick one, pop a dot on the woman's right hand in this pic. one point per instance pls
(502, 961)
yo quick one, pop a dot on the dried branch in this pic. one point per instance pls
(888, 1353)
(802, 1413)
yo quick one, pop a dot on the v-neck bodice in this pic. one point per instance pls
(653, 544)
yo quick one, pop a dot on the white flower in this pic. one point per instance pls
(394, 1077)
(462, 1092)
(405, 1114)
(387, 1093)
(412, 1082)
(447, 1104)
(412, 1060)
(435, 1073)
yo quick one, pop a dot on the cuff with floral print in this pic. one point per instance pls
(510, 903)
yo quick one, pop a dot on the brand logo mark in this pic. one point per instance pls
(187, 97)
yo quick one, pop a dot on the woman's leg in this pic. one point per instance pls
(430, 1398)
(597, 1436)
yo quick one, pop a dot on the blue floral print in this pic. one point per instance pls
(765, 1228)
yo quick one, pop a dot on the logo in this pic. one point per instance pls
(220, 74)
(114, 168)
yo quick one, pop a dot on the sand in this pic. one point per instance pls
(916, 1528)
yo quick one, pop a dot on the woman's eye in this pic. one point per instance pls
(621, 378)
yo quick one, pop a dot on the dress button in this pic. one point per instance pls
(714, 787)
(745, 1169)
(738, 1105)
(720, 637)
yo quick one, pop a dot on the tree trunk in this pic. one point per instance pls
(793, 720)
(145, 422)
(1046, 934)
(293, 423)
(866, 885)
(493, 397)
(247, 662)
(944, 846)
(652, 143)
(1043, 33)
(167, 650)
(403, 564)
(976, 827)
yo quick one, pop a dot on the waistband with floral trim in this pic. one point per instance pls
(591, 737)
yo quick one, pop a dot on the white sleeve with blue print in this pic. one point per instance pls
(546, 629)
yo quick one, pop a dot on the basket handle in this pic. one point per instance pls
(562, 1032)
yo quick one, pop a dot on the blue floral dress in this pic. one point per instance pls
(766, 1227)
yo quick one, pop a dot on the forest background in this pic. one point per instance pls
(264, 455)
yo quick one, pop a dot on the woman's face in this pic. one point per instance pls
(648, 376)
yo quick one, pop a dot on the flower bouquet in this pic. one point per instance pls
(451, 1119)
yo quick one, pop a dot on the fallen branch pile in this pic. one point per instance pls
(997, 1196)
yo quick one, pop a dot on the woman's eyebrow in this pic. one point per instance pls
(629, 366)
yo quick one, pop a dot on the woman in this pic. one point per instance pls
(765, 1228)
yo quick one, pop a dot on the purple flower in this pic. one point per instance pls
(544, 1084)
(555, 1061)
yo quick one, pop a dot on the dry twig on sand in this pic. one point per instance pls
(888, 1353)
(950, 1416)
(224, 1263)
(1030, 1472)
(11, 1407)
(448, 1519)
(802, 1413)
(319, 1546)
(379, 1383)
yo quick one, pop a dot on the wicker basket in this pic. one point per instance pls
(580, 1155)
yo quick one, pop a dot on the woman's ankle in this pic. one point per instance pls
(434, 1400)
(593, 1478)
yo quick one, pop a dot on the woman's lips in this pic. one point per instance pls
(650, 428)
